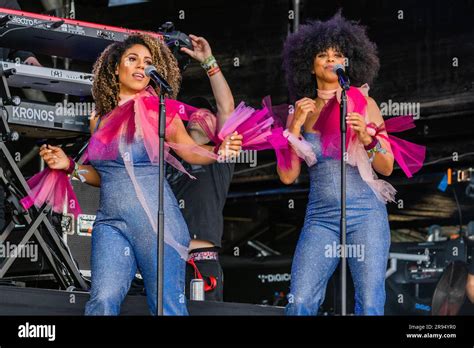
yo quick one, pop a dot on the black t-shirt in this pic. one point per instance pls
(471, 267)
(202, 200)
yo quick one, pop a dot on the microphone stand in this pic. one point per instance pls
(161, 212)
(343, 222)
(164, 88)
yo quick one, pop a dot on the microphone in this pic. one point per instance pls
(341, 74)
(152, 73)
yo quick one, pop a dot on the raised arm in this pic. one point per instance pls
(223, 95)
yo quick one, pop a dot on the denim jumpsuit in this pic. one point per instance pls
(316, 256)
(124, 240)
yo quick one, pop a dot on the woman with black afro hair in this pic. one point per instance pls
(309, 58)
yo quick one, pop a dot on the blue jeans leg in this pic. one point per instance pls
(368, 269)
(311, 269)
(113, 269)
(145, 246)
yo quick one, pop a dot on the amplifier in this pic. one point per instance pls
(77, 232)
(259, 280)
(266, 281)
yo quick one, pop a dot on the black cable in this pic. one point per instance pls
(49, 25)
(459, 210)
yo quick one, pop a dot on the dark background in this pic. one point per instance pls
(416, 55)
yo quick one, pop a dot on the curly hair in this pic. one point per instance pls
(105, 88)
(349, 37)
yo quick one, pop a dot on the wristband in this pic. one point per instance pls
(77, 173)
(209, 63)
(213, 71)
(372, 144)
(71, 166)
(377, 148)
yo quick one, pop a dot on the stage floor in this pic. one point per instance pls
(45, 302)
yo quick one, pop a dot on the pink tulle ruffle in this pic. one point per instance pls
(54, 188)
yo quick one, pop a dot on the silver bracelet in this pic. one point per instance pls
(77, 173)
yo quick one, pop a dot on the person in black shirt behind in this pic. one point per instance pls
(202, 201)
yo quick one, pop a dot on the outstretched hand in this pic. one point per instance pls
(54, 157)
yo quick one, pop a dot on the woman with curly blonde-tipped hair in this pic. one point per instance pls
(123, 155)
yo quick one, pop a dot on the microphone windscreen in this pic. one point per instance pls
(337, 67)
(149, 69)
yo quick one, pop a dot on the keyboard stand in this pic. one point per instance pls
(35, 220)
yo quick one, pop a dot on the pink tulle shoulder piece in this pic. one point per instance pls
(137, 120)
(409, 156)
(328, 123)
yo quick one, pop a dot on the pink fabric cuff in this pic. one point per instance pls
(303, 149)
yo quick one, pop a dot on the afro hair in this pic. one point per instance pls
(349, 37)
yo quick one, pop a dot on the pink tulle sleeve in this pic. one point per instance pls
(409, 156)
(281, 147)
(53, 187)
(254, 126)
(282, 140)
(303, 149)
